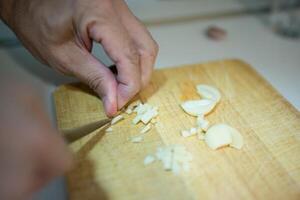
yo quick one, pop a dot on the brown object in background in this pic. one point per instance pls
(216, 33)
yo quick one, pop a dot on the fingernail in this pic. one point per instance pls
(110, 108)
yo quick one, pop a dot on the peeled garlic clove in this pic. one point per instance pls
(209, 92)
(218, 135)
(237, 139)
(198, 107)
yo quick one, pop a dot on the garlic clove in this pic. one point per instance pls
(198, 107)
(218, 136)
(237, 139)
(209, 92)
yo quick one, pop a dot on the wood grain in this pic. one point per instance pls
(108, 166)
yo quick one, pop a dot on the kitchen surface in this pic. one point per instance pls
(180, 29)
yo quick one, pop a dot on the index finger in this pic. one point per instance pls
(121, 49)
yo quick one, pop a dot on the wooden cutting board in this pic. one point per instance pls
(109, 166)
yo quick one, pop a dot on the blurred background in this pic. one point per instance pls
(263, 33)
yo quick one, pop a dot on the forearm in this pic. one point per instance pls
(6, 8)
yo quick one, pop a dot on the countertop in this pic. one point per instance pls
(249, 38)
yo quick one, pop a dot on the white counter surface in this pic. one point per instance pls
(276, 59)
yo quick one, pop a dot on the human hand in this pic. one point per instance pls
(61, 33)
(31, 152)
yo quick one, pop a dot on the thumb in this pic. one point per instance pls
(91, 71)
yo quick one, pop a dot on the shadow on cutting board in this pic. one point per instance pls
(84, 170)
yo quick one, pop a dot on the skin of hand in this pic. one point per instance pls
(31, 151)
(61, 34)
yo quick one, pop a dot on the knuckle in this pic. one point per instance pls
(155, 47)
(135, 86)
(133, 54)
(151, 51)
(94, 81)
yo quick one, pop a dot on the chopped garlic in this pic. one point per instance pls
(153, 121)
(174, 158)
(167, 160)
(175, 167)
(145, 113)
(137, 139)
(116, 119)
(149, 159)
(159, 153)
(193, 131)
(188, 133)
(136, 119)
(198, 107)
(209, 92)
(148, 115)
(109, 129)
(146, 129)
(134, 104)
(186, 167)
(128, 111)
(202, 123)
(142, 108)
(201, 136)
(185, 133)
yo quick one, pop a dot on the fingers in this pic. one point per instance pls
(91, 71)
(146, 46)
(126, 42)
(122, 50)
(32, 153)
